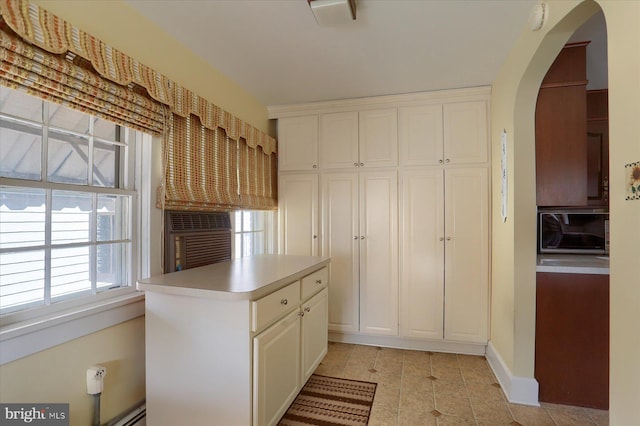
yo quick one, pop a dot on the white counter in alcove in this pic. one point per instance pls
(573, 264)
(201, 363)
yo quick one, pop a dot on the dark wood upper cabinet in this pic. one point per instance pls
(561, 131)
(598, 148)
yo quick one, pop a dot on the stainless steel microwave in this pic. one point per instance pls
(579, 231)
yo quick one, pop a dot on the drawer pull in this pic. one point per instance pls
(307, 309)
(318, 281)
(284, 301)
(300, 314)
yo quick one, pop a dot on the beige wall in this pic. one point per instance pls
(123, 28)
(513, 105)
(59, 374)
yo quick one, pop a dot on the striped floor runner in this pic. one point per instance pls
(329, 401)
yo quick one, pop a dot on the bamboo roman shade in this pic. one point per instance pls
(46, 56)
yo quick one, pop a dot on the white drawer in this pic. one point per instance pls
(274, 306)
(313, 283)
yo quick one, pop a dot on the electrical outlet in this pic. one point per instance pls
(95, 379)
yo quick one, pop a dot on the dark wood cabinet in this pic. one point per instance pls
(598, 148)
(561, 131)
(572, 339)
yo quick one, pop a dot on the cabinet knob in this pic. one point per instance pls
(307, 309)
(355, 164)
(355, 237)
(284, 301)
(362, 237)
(300, 314)
(447, 160)
(318, 281)
(448, 238)
(361, 164)
(440, 161)
(315, 236)
(441, 238)
(315, 166)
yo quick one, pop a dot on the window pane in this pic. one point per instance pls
(22, 217)
(105, 164)
(69, 119)
(113, 262)
(20, 148)
(238, 245)
(19, 104)
(247, 243)
(238, 221)
(68, 158)
(113, 217)
(247, 221)
(69, 271)
(258, 223)
(21, 279)
(71, 217)
(104, 129)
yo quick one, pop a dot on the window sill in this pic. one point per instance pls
(25, 338)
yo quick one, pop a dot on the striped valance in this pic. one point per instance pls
(56, 36)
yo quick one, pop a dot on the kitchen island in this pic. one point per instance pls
(219, 336)
(572, 330)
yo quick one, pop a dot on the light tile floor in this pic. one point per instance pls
(430, 388)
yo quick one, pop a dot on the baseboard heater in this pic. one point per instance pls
(135, 417)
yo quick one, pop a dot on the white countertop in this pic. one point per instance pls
(248, 278)
(573, 264)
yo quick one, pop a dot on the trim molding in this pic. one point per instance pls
(404, 343)
(519, 390)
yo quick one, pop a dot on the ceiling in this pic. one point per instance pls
(276, 51)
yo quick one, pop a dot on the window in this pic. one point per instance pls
(67, 203)
(252, 236)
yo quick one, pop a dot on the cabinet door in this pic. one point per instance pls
(378, 138)
(339, 140)
(466, 255)
(378, 253)
(422, 268)
(298, 143)
(314, 333)
(420, 135)
(298, 214)
(465, 132)
(342, 244)
(276, 369)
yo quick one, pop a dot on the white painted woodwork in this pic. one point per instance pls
(422, 254)
(314, 333)
(465, 132)
(298, 214)
(342, 244)
(420, 135)
(204, 365)
(378, 138)
(267, 309)
(298, 143)
(378, 202)
(339, 140)
(466, 254)
(277, 367)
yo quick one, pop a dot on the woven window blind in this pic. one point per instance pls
(70, 80)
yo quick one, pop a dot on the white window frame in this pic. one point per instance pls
(23, 333)
(268, 218)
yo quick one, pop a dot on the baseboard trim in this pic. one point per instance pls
(519, 390)
(404, 343)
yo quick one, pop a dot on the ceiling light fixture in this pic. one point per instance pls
(333, 13)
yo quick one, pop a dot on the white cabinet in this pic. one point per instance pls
(445, 249)
(339, 140)
(314, 333)
(298, 214)
(298, 143)
(466, 254)
(360, 224)
(359, 139)
(450, 133)
(465, 132)
(277, 369)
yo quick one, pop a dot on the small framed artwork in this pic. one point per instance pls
(632, 174)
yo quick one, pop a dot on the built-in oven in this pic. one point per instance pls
(579, 231)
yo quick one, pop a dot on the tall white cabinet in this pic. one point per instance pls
(403, 212)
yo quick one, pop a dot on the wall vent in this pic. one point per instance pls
(196, 239)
